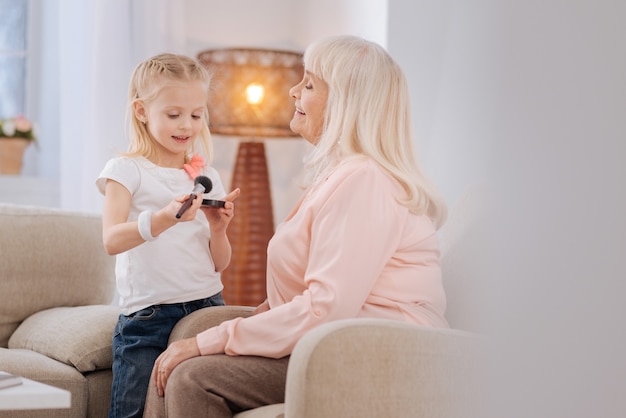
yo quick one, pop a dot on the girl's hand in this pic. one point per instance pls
(190, 214)
(219, 218)
(175, 354)
(166, 217)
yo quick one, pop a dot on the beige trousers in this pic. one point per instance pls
(219, 386)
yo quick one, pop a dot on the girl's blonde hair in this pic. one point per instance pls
(145, 84)
(368, 113)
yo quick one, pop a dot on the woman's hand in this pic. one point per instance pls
(264, 306)
(175, 354)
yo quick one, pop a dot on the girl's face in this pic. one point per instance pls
(174, 119)
(311, 95)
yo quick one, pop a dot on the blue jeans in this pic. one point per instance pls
(138, 340)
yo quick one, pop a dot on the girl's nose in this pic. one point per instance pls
(185, 122)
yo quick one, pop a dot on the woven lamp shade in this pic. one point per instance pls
(250, 100)
(233, 70)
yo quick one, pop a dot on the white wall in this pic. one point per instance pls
(289, 24)
(445, 52)
(527, 99)
(559, 148)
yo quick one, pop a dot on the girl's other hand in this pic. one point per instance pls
(219, 218)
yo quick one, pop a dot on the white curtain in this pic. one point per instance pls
(101, 42)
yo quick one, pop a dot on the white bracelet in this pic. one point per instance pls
(144, 225)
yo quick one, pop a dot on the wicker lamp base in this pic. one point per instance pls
(251, 229)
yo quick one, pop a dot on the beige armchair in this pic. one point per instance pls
(368, 368)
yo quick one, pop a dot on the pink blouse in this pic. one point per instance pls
(348, 249)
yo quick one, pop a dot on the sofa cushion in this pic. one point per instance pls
(78, 336)
(43, 369)
(269, 411)
(50, 258)
(99, 386)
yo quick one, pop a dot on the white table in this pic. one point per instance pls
(34, 395)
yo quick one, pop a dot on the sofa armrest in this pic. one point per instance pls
(376, 367)
(206, 318)
(80, 336)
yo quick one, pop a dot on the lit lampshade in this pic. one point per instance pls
(250, 100)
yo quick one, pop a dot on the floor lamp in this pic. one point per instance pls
(250, 100)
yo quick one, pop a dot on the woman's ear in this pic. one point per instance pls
(140, 111)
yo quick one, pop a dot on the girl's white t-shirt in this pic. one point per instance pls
(176, 266)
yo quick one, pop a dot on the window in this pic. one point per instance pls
(13, 57)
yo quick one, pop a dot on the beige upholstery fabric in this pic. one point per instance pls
(379, 368)
(51, 258)
(70, 335)
(270, 411)
(99, 396)
(206, 318)
(43, 369)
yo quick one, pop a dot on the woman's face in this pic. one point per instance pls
(311, 95)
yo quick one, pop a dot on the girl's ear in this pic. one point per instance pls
(140, 111)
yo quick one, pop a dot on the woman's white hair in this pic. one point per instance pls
(368, 113)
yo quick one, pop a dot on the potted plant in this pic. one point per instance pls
(16, 134)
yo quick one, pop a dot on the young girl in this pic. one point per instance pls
(167, 267)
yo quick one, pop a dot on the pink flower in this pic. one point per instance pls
(194, 168)
(22, 124)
